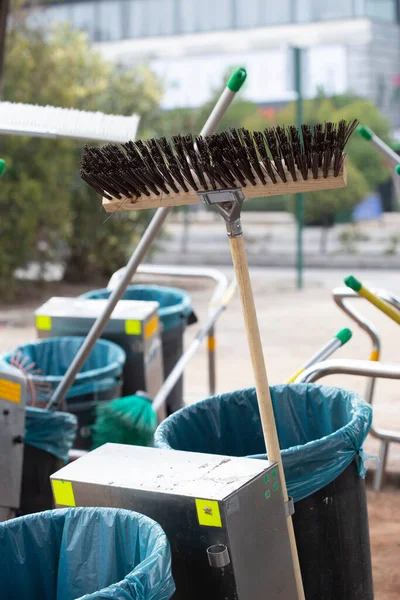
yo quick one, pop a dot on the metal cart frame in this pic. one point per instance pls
(220, 288)
(363, 368)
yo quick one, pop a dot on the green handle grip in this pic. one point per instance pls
(365, 132)
(353, 283)
(237, 80)
(397, 169)
(344, 335)
(2, 167)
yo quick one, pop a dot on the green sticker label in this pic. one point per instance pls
(268, 494)
(266, 478)
(276, 486)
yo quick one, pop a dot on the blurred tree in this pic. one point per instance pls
(43, 202)
(366, 168)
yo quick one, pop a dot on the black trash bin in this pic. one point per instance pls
(99, 379)
(176, 314)
(321, 431)
(85, 554)
(48, 438)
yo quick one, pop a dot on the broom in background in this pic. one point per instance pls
(52, 122)
(338, 340)
(221, 171)
(133, 420)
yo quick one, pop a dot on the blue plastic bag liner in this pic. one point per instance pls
(53, 356)
(321, 430)
(85, 554)
(175, 304)
(53, 432)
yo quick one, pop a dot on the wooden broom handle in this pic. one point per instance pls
(261, 380)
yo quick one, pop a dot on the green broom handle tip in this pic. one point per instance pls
(398, 169)
(2, 166)
(365, 132)
(353, 283)
(344, 335)
(237, 80)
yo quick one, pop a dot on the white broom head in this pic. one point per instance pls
(53, 122)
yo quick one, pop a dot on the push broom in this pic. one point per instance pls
(221, 171)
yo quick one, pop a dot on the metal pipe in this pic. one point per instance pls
(178, 369)
(201, 272)
(342, 293)
(102, 320)
(212, 375)
(385, 150)
(198, 272)
(137, 257)
(361, 368)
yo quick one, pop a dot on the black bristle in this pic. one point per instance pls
(255, 163)
(234, 158)
(172, 163)
(195, 160)
(272, 143)
(265, 159)
(162, 166)
(183, 161)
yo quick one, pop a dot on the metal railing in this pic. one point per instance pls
(221, 285)
(361, 368)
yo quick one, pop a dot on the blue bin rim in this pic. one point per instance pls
(183, 305)
(358, 403)
(108, 370)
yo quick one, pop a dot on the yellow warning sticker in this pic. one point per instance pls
(151, 327)
(43, 323)
(133, 327)
(63, 492)
(208, 513)
(9, 390)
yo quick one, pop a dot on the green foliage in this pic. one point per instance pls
(42, 198)
(366, 168)
(321, 207)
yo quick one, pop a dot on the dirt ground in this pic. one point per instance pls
(293, 326)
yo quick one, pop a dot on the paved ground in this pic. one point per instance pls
(293, 325)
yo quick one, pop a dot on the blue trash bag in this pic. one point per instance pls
(85, 554)
(321, 430)
(53, 432)
(175, 304)
(53, 356)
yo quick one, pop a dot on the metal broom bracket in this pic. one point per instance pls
(289, 507)
(229, 204)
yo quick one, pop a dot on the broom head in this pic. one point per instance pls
(159, 173)
(130, 420)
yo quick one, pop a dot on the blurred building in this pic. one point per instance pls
(351, 45)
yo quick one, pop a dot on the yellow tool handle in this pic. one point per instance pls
(391, 312)
(358, 287)
(295, 375)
